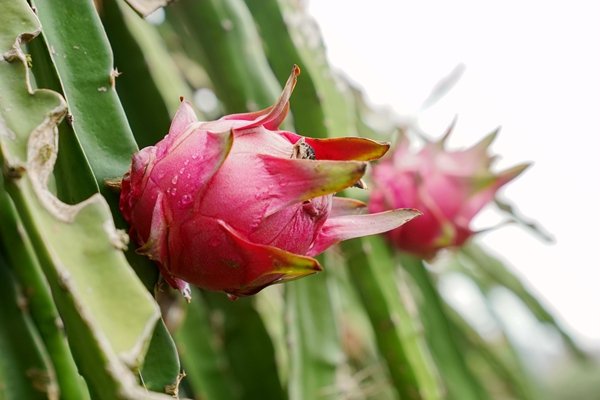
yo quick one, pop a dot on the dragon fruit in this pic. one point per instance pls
(236, 205)
(449, 187)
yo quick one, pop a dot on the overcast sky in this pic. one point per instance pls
(532, 67)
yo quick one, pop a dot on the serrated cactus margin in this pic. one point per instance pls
(28, 152)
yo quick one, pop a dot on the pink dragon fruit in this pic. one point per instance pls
(450, 188)
(236, 205)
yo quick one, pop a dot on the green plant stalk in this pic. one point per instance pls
(161, 365)
(75, 245)
(291, 36)
(398, 335)
(78, 60)
(75, 180)
(163, 69)
(282, 53)
(505, 353)
(510, 371)
(25, 372)
(229, 47)
(315, 351)
(82, 59)
(19, 252)
(353, 317)
(496, 272)
(249, 350)
(204, 362)
(460, 383)
(270, 305)
(93, 350)
(83, 336)
(146, 110)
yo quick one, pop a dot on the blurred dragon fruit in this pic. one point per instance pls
(236, 205)
(449, 187)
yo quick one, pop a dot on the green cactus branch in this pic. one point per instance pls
(73, 185)
(80, 56)
(460, 382)
(392, 316)
(204, 361)
(147, 113)
(83, 59)
(25, 371)
(77, 246)
(40, 303)
(495, 273)
(502, 359)
(163, 69)
(315, 351)
(291, 36)
(282, 53)
(246, 343)
(83, 71)
(224, 38)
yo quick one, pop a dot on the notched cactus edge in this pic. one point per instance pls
(42, 150)
(106, 362)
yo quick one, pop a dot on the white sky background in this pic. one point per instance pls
(532, 67)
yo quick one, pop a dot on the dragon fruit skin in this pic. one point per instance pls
(235, 205)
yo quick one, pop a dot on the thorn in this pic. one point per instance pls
(361, 184)
(173, 389)
(113, 74)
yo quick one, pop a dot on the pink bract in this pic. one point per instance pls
(236, 205)
(449, 187)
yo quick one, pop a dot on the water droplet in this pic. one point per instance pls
(257, 196)
(181, 170)
(173, 191)
(161, 173)
(188, 175)
(186, 162)
(186, 199)
(195, 156)
(232, 297)
(283, 183)
(174, 181)
(168, 190)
